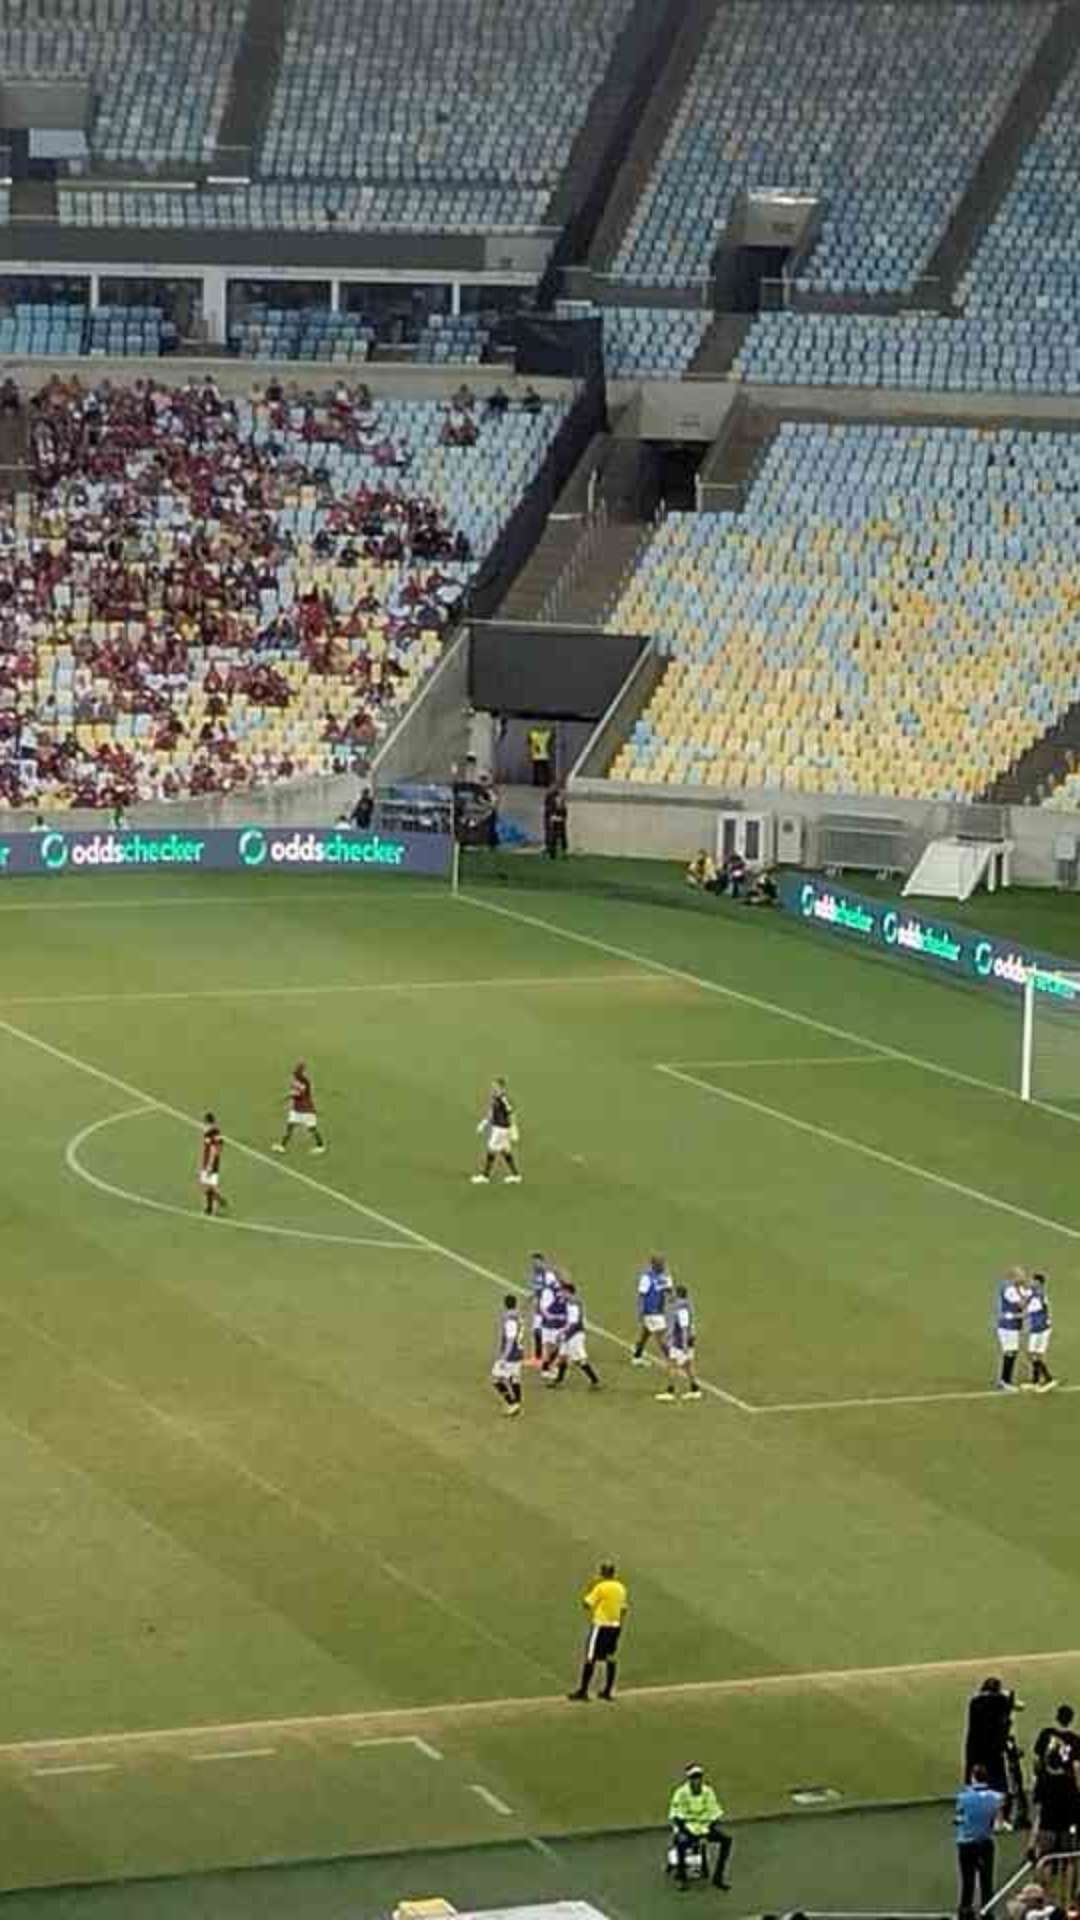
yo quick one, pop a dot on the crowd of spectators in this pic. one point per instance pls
(192, 602)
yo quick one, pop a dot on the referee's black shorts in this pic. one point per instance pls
(602, 1643)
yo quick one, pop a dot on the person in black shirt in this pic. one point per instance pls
(555, 818)
(500, 1126)
(1057, 1785)
(988, 1723)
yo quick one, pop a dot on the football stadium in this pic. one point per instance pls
(539, 958)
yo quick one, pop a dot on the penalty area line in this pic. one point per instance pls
(891, 1160)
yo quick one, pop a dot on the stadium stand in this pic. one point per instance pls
(158, 74)
(442, 100)
(893, 613)
(302, 333)
(978, 353)
(656, 341)
(202, 594)
(1029, 259)
(303, 207)
(883, 111)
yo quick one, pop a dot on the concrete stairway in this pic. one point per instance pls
(588, 592)
(997, 169)
(251, 86)
(720, 347)
(1043, 766)
(14, 452)
(672, 74)
(727, 471)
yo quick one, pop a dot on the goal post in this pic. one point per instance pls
(1050, 1036)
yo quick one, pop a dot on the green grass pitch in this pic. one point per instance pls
(280, 1582)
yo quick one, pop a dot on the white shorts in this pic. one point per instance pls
(653, 1322)
(509, 1370)
(1039, 1343)
(1009, 1340)
(305, 1119)
(500, 1139)
(574, 1350)
(681, 1356)
(212, 1180)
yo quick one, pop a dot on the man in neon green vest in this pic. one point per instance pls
(695, 1814)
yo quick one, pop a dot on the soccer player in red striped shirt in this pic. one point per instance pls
(301, 1111)
(214, 1200)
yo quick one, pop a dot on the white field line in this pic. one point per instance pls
(898, 1400)
(84, 1766)
(72, 1159)
(501, 982)
(232, 1753)
(401, 1740)
(796, 1060)
(135, 905)
(892, 1160)
(491, 1800)
(761, 1005)
(447, 1712)
(140, 1097)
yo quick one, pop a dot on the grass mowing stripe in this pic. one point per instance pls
(498, 984)
(760, 1005)
(462, 1260)
(879, 1154)
(446, 1713)
(144, 905)
(279, 1495)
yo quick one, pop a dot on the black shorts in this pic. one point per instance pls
(603, 1642)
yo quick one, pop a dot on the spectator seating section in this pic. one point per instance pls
(978, 353)
(661, 341)
(43, 327)
(335, 539)
(302, 333)
(57, 329)
(158, 72)
(1029, 258)
(882, 110)
(442, 97)
(897, 611)
(460, 339)
(296, 206)
(1066, 795)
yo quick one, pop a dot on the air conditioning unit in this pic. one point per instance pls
(790, 839)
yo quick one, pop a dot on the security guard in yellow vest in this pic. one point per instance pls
(539, 744)
(695, 1814)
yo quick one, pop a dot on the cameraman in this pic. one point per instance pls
(986, 1743)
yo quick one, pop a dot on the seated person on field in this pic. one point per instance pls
(702, 872)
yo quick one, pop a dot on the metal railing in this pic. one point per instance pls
(1050, 1866)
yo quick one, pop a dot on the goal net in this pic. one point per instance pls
(1050, 1046)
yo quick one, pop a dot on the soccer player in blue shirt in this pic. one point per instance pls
(653, 1288)
(506, 1367)
(541, 1276)
(1011, 1301)
(1039, 1327)
(680, 1348)
(573, 1351)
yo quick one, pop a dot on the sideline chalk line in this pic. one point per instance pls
(445, 1712)
(72, 1160)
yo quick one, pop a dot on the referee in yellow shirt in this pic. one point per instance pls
(606, 1604)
